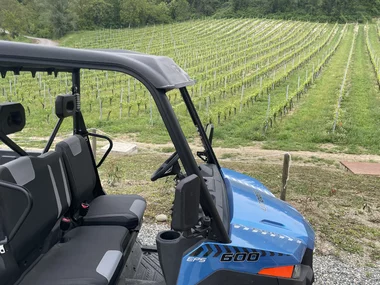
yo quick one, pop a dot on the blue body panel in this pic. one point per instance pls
(254, 206)
(260, 225)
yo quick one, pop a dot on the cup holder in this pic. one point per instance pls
(169, 235)
(171, 246)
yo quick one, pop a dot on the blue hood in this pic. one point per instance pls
(256, 212)
(260, 224)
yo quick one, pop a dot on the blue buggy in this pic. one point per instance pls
(58, 225)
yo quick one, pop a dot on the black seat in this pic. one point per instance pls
(123, 210)
(42, 177)
(37, 254)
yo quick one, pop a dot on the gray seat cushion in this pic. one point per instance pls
(122, 210)
(89, 255)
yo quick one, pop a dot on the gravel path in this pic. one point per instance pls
(328, 269)
(42, 41)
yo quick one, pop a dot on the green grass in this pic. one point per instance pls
(228, 155)
(168, 149)
(359, 127)
(310, 126)
(311, 123)
(318, 161)
(4, 37)
(249, 124)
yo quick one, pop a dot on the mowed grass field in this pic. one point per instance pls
(357, 131)
(276, 82)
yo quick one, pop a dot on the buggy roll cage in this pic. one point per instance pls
(158, 74)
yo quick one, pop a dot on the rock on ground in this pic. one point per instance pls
(161, 218)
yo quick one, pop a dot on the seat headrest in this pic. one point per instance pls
(65, 106)
(12, 118)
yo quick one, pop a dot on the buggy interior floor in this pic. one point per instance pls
(142, 267)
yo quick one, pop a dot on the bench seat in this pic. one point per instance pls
(40, 252)
(89, 255)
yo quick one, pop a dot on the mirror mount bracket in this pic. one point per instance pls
(202, 155)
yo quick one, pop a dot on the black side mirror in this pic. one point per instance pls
(65, 106)
(186, 203)
(210, 132)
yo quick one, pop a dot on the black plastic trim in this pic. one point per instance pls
(308, 257)
(108, 150)
(12, 145)
(53, 135)
(79, 125)
(171, 247)
(211, 157)
(219, 232)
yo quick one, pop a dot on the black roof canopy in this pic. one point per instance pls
(160, 71)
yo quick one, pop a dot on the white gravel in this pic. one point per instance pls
(328, 269)
(148, 232)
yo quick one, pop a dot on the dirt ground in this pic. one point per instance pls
(42, 41)
(256, 153)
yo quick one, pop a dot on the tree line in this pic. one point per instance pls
(342, 11)
(52, 18)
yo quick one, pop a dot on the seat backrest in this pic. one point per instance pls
(46, 180)
(80, 168)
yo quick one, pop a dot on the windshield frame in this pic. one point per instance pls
(209, 152)
(218, 231)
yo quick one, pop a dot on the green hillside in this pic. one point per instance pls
(258, 80)
(54, 19)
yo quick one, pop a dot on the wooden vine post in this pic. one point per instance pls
(93, 143)
(285, 175)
